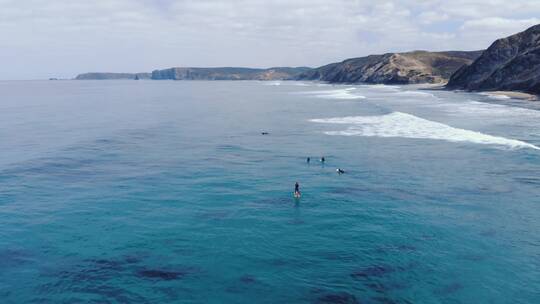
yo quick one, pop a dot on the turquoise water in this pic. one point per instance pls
(166, 192)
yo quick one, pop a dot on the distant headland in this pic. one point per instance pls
(220, 73)
(509, 64)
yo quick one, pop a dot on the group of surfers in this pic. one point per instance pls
(297, 193)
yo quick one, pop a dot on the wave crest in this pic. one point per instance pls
(347, 93)
(404, 125)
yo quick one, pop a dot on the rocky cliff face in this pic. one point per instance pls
(394, 68)
(112, 76)
(279, 73)
(511, 63)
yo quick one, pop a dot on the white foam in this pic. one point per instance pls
(404, 125)
(495, 96)
(415, 93)
(287, 83)
(347, 93)
(476, 109)
(382, 87)
(301, 84)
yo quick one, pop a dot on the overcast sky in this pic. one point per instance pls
(61, 38)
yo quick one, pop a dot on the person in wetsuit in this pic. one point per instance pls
(296, 189)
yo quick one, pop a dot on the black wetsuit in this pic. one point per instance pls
(296, 188)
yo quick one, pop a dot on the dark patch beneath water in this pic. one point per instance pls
(92, 272)
(378, 287)
(248, 279)
(339, 256)
(108, 293)
(91, 278)
(13, 258)
(374, 271)
(278, 262)
(244, 282)
(386, 300)
(384, 288)
(449, 289)
(166, 274)
(337, 298)
(160, 274)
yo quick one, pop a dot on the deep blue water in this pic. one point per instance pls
(166, 192)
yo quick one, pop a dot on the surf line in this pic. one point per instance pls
(398, 124)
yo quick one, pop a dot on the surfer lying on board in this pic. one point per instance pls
(296, 190)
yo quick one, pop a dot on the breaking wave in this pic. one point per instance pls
(416, 94)
(347, 93)
(476, 108)
(496, 96)
(404, 125)
(385, 87)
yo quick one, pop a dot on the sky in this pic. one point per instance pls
(62, 38)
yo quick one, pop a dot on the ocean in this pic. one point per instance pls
(167, 192)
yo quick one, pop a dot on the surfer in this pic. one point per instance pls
(340, 171)
(323, 159)
(308, 160)
(296, 190)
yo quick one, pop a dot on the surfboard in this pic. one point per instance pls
(297, 195)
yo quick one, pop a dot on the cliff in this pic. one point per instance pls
(394, 68)
(509, 64)
(228, 73)
(111, 76)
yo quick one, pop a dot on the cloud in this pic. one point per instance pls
(498, 24)
(66, 37)
(432, 17)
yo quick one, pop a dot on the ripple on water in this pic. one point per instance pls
(94, 277)
(159, 274)
(337, 298)
(248, 279)
(449, 289)
(14, 257)
(386, 287)
(374, 271)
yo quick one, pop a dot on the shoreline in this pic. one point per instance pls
(501, 95)
(510, 95)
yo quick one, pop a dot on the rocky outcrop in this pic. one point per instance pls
(228, 73)
(509, 64)
(394, 68)
(112, 76)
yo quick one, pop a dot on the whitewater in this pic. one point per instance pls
(404, 125)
